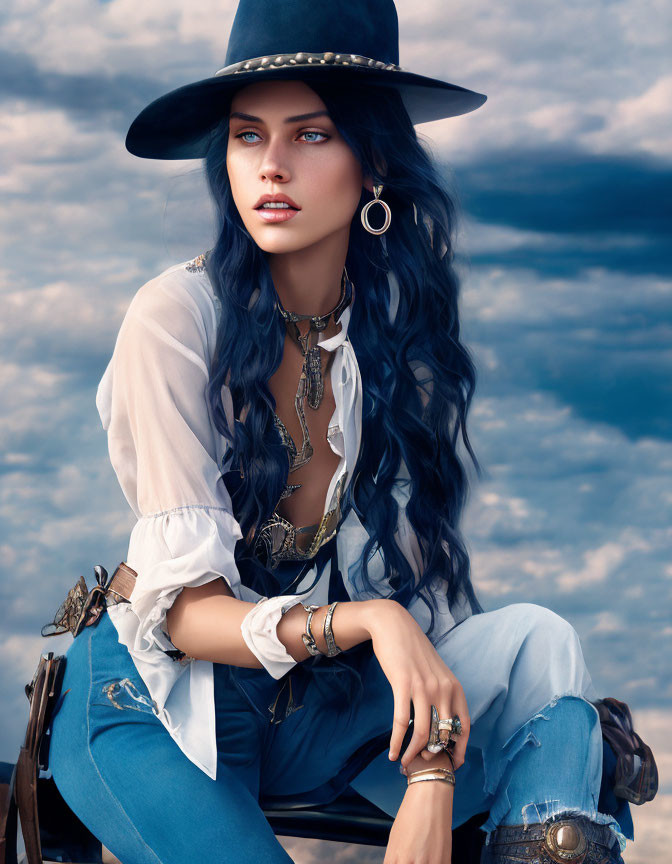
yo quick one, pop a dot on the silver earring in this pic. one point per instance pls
(388, 213)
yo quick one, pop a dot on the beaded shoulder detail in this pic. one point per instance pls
(197, 264)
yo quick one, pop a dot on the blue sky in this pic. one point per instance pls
(563, 180)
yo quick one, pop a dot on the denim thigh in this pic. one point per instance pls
(120, 771)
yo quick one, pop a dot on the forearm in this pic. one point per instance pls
(348, 626)
(205, 623)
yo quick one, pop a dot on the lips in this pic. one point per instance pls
(278, 198)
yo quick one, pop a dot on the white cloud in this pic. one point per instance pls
(590, 76)
(640, 123)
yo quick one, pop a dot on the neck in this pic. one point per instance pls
(308, 281)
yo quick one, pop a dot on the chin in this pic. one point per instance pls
(279, 245)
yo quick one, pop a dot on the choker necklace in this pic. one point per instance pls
(312, 366)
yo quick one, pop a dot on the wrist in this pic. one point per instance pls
(377, 614)
(348, 627)
(438, 760)
(433, 789)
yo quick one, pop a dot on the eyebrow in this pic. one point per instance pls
(252, 119)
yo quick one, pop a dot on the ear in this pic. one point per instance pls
(381, 167)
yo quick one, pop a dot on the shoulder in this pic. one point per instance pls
(179, 302)
(184, 285)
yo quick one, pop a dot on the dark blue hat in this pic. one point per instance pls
(335, 40)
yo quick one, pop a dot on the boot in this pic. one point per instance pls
(564, 839)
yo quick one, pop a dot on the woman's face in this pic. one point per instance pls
(273, 151)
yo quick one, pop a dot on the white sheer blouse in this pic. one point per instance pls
(168, 457)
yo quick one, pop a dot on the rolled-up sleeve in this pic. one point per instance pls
(165, 451)
(168, 457)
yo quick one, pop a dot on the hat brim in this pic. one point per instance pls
(178, 125)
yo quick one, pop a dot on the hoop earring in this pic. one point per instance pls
(388, 213)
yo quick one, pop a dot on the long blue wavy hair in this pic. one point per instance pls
(418, 378)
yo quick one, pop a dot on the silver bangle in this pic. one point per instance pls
(332, 647)
(308, 639)
(446, 778)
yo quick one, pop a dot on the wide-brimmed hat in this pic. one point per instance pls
(311, 40)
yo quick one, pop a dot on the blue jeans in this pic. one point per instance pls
(123, 775)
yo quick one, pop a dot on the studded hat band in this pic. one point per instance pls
(306, 58)
(353, 43)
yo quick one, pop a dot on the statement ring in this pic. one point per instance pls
(436, 743)
(453, 725)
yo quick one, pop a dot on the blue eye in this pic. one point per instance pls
(242, 134)
(309, 132)
(314, 133)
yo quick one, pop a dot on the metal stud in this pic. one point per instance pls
(565, 842)
(303, 58)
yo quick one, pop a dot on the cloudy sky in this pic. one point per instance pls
(563, 178)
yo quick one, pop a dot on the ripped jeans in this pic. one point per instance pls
(535, 747)
(554, 766)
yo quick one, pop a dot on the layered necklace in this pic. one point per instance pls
(311, 384)
(277, 538)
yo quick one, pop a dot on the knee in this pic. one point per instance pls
(542, 627)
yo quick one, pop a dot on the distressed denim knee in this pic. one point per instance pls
(553, 765)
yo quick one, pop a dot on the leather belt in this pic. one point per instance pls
(82, 608)
(570, 839)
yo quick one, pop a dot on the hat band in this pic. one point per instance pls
(305, 58)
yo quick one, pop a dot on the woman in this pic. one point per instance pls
(283, 415)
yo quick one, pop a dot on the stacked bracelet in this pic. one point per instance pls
(332, 647)
(308, 638)
(444, 774)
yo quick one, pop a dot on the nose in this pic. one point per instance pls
(274, 164)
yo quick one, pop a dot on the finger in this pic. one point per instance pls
(445, 707)
(460, 708)
(422, 723)
(402, 710)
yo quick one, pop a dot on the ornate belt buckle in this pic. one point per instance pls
(95, 601)
(81, 608)
(92, 609)
(565, 842)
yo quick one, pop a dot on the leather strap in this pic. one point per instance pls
(42, 692)
(538, 830)
(8, 821)
(568, 839)
(81, 609)
(636, 774)
(121, 585)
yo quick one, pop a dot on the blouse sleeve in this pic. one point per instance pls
(167, 455)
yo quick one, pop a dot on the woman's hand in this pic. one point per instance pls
(421, 832)
(416, 674)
